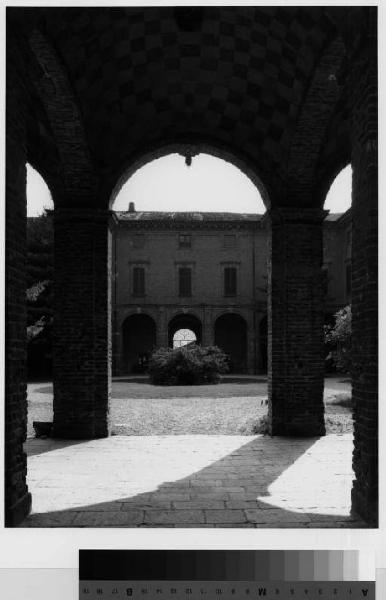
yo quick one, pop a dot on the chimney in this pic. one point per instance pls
(131, 207)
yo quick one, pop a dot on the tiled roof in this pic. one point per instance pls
(187, 216)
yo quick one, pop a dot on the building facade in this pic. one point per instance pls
(206, 273)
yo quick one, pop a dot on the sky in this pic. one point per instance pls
(210, 184)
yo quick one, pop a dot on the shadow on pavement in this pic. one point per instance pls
(223, 494)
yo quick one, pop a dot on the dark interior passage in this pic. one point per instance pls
(138, 342)
(230, 334)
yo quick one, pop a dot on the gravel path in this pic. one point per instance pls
(138, 408)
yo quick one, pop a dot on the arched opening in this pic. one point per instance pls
(39, 197)
(230, 334)
(40, 276)
(338, 198)
(184, 177)
(184, 337)
(153, 201)
(337, 243)
(138, 342)
(184, 326)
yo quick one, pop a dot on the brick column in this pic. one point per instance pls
(295, 322)
(82, 324)
(17, 497)
(207, 327)
(162, 328)
(364, 284)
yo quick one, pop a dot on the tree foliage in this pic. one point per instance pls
(188, 365)
(338, 340)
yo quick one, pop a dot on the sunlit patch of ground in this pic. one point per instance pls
(191, 481)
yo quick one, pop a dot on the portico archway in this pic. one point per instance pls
(230, 334)
(138, 342)
(184, 321)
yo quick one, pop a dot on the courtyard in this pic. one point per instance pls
(236, 406)
(201, 465)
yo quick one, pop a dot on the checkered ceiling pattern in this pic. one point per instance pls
(238, 79)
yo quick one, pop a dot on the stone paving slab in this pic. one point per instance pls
(191, 481)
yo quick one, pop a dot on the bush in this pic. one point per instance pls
(338, 340)
(188, 365)
(261, 426)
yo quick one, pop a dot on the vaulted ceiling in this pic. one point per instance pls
(266, 84)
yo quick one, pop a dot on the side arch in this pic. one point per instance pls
(139, 337)
(79, 181)
(230, 334)
(319, 105)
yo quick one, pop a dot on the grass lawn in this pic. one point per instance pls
(234, 408)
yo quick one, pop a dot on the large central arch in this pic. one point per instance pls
(189, 148)
(184, 321)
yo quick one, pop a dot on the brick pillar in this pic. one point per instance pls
(295, 322)
(162, 328)
(17, 497)
(364, 285)
(207, 327)
(82, 324)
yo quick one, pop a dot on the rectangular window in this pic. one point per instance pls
(230, 281)
(185, 281)
(138, 281)
(184, 240)
(348, 279)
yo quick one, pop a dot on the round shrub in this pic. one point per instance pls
(188, 365)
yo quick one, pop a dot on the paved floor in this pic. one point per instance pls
(191, 481)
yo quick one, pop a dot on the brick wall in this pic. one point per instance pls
(161, 257)
(364, 279)
(17, 498)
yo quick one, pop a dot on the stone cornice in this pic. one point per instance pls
(163, 225)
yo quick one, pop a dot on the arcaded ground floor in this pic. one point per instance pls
(191, 481)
